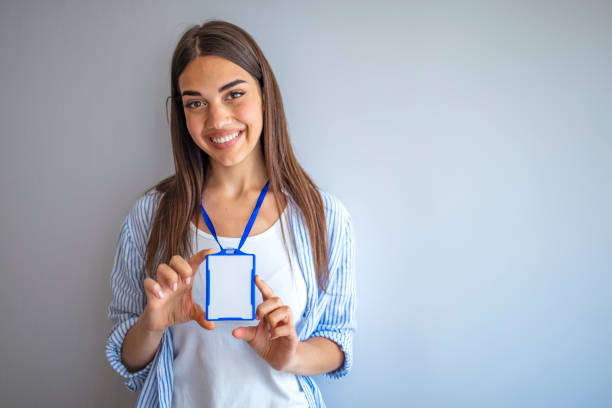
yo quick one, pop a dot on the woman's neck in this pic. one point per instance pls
(234, 181)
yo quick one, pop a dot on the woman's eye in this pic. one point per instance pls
(235, 94)
(194, 104)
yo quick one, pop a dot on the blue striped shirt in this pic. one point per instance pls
(329, 314)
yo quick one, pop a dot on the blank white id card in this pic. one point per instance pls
(230, 286)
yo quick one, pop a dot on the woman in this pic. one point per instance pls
(230, 142)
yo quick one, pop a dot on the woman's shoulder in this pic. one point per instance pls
(333, 205)
(338, 220)
(140, 216)
(337, 217)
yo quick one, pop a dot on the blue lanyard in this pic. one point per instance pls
(248, 227)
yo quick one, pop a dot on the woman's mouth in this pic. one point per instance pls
(227, 140)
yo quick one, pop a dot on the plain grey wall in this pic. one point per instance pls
(471, 143)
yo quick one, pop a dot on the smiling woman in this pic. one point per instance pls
(232, 153)
(218, 118)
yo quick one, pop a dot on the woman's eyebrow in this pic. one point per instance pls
(223, 88)
(229, 85)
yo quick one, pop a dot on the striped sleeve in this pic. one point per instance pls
(338, 321)
(129, 297)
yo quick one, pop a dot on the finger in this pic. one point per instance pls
(280, 315)
(196, 260)
(182, 268)
(197, 314)
(265, 290)
(167, 277)
(282, 331)
(153, 288)
(266, 307)
(245, 333)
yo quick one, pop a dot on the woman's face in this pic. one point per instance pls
(223, 108)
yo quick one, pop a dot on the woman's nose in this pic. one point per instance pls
(218, 116)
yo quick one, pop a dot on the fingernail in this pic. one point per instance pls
(174, 286)
(188, 280)
(160, 294)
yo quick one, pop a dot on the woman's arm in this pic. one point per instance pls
(337, 322)
(139, 346)
(315, 356)
(129, 297)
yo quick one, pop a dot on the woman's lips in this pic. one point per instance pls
(227, 144)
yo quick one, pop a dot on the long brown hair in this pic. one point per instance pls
(182, 192)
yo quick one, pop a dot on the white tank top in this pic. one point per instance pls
(213, 368)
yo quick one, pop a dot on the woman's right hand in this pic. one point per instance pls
(169, 299)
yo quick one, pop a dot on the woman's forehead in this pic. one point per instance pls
(211, 71)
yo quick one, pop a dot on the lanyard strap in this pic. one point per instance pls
(249, 225)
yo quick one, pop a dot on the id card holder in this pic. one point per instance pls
(230, 285)
(230, 275)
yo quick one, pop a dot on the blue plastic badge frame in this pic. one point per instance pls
(230, 252)
(233, 252)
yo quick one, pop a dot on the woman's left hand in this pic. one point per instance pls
(274, 338)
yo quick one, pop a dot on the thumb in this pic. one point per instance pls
(199, 316)
(245, 333)
(196, 260)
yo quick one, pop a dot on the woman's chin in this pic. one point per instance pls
(228, 160)
(235, 155)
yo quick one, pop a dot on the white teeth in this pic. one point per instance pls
(225, 138)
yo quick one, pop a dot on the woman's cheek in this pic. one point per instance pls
(243, 112)
(194, 125)
(251, 115)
